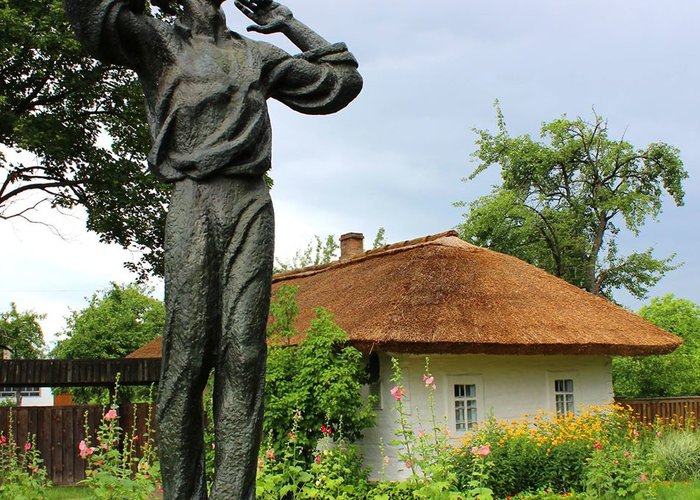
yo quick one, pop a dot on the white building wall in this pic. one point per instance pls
(45, 398)
(507, 387)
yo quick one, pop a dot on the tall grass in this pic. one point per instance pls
(678, 455)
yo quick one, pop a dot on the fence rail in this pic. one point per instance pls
(78, 372)
(59, 430)
(667, 409)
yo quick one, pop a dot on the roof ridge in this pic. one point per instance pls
(372, 253)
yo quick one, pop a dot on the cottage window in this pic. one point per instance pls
(465, 407)
(11, 392)
(564, 396)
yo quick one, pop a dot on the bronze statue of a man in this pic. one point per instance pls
(206, 89)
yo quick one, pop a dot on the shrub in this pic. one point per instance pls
(113, 470)
(22, 475)
(617, 471)
(337, 473)
(281, 476)
(544, 451)
(321, 377)
(677, 455)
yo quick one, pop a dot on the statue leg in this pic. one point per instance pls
(246, 275)
(188, 342)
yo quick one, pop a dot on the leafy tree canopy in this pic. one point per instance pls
(565, 198)
(673, 374)
(83, 123)
(116, 322)
(20, 333)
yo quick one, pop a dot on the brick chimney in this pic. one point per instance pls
(351, 246)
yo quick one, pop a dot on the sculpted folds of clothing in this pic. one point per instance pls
(206, 100)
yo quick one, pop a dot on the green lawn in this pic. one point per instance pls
(74, 493)
(679, 491)
(67, 493)
(673, 491)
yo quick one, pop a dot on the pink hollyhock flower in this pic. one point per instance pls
(429, 381)
(3, 439)
(626, 454)
(111, 414)
(326, 431)
(270, 454)
(85, 450)
(597, 445)
(408, 464)
(27, 446)
(398, 392)
(317, 459)
(643, 476)
(481, 451)
(136, 438)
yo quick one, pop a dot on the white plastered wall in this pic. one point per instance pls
(507, 386)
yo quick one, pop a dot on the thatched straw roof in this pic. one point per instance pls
(439, 294)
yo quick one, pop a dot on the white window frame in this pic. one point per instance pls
(452, 401)
(25, 392)
(552, 393)
(564, 396)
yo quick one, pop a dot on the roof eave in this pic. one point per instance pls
(520, 349)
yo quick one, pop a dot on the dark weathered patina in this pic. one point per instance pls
(206, 90)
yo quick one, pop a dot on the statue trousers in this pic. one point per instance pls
(219, 245)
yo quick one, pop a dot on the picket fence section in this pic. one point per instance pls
(676, 410)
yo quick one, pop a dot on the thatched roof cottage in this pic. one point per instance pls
(503, 336)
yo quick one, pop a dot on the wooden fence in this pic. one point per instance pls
(78, 372)
(678, 410)
(59, 430)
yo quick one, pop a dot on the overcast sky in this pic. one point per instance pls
(395, 157)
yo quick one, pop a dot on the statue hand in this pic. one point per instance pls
(270, 16)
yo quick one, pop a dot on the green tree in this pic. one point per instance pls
(318, 251)
(379, 238)
(321, 251)
(321, 377)
(20, 333)
(84, 123)
(673, 374)
(116, 322)
(565, 199)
